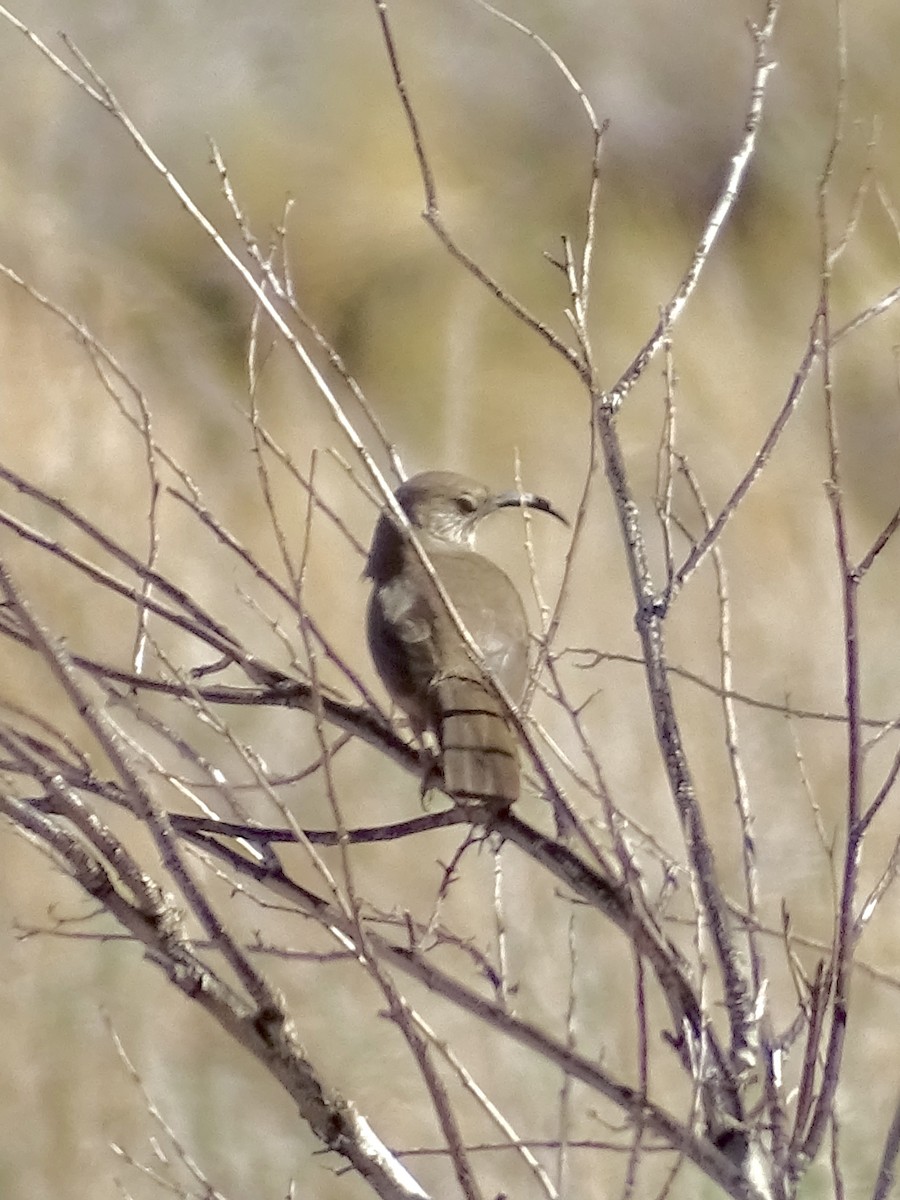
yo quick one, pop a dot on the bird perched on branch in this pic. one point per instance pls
(417, 648)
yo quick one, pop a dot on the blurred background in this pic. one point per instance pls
(298, 97)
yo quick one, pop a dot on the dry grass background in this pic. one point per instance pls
(298, 97)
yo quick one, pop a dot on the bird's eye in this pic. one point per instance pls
(467, 503)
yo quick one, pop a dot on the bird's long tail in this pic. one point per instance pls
(478, 745)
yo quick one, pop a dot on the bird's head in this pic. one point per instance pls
(444, 509)
(449, 506)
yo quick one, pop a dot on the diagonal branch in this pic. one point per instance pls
(722, 209)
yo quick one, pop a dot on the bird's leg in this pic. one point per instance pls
(429, 757)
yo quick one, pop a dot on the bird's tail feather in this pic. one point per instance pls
(478, 746)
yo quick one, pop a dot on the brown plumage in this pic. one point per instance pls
(418, 651)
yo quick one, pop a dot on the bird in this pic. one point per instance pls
(417, 648)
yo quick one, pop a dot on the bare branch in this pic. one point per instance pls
(721, 211)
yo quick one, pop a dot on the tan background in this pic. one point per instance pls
(298, 97)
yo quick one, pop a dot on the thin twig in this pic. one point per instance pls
(845, 932)
(721, 211)
(887, 1170)
(432, 214)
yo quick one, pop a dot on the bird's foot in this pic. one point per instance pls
(432, 777)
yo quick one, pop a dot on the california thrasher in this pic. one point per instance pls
(418, 650)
